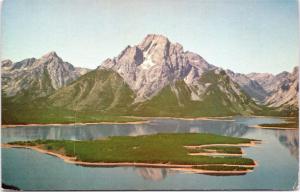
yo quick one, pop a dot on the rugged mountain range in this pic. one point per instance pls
(37, 77)
(153, 78)
(160, 79)
(282, 89)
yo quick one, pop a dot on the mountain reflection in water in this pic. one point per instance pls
(289, 139)
(153, 174)
(92, 132)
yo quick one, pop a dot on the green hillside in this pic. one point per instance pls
(98, 96)
(102, 91)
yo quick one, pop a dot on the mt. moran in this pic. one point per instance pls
(154, 64)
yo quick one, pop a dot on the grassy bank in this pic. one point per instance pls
(16, 113)
(160, 148)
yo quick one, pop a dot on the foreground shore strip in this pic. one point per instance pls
(290, 123)
(138, 120)
(273, 127)
(161, 150)
(75, 124)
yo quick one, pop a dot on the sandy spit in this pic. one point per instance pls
(251, 144)
(201, 171)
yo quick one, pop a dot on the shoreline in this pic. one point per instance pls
(182, 167)
(73, 124)
(273, 128)
(118, 123)
(201, 171)
(263, 116)
(143, 121)
(196, 118)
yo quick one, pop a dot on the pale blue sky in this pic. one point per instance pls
(244, 36)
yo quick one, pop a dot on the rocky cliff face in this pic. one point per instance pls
(40, 77)
(155, 63)
(251, 87)
(286, 91)
(265, 80)
(282, 88)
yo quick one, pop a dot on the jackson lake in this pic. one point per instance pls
(277, 158)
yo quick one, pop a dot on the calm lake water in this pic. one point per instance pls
(277, 159)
